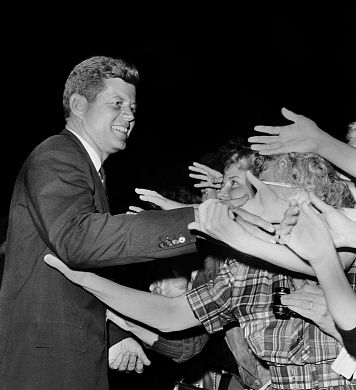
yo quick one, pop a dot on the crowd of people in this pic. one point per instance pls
(274, 230)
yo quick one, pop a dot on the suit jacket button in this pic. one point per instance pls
(175, 242)
(161, 244)
(181, 239)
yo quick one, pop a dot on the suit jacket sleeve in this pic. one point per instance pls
(63, 201)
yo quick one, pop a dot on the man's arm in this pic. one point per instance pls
(61, 201)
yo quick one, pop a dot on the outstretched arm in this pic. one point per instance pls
(311, 239)
(157, 311)
(304, 136)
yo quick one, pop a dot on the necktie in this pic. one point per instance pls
(102, 176)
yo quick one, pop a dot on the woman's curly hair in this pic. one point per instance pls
(310, 172)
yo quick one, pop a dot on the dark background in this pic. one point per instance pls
(210, 82)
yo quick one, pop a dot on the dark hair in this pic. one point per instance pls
(229, 153)
(310, 172)
(87, 78)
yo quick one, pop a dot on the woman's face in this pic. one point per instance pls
(235, 184)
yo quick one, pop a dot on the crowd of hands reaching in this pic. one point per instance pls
(310, 228)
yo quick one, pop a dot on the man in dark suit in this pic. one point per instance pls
(52, 332)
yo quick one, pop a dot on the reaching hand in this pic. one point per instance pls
(158, 199)
(208, 177)
(217, 220)
(128, 355)
(170, 287)
(341, 228)
(266, 203)
(309, 302)
(72, 275)
(306, 234)
(301, 136)
(134, 210)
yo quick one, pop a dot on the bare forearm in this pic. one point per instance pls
(276, 254)
(340, 297)
(339, 153)
(165, 314)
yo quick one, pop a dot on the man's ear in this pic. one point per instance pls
(78, 104)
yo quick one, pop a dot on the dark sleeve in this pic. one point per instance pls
(62, 203)
(349, 340)
(181, 349)
(115, 334)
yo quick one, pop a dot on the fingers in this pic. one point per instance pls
(205, 184)
(155, 286)
(255, 231)
(319, 204)
(288, 222)
(143, 191)
(134, 210)
(125, 361)
(54, 262)
(266, 129)
(274, 147)
(198, 177)
(139, 366)
(255, 220)
(197, 167)
(289, 115)
(131, 364)
(264, 139)
(258, 184)
(143, 358)
(114, 363)
(141, 361)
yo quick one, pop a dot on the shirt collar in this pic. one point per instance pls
(92, 153)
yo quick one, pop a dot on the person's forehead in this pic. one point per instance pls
(119, 87)
(234, 170)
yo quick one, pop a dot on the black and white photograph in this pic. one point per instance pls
(178, 209)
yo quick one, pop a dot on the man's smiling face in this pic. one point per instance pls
(109, 119)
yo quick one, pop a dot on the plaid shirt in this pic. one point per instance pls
(298, 352)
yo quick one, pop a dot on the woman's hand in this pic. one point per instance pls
(218, 221)
(158, 199)
(301, 136)
(341, 228)
(306, 234)
(208, 177)
(309, 302)
(72, 275)
(170, 287)
(266, 203)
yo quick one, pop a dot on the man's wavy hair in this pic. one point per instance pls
(310, 172)
(87, 78)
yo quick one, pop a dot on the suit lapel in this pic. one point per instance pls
(94, 174)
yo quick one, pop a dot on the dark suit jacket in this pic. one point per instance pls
(52, 332)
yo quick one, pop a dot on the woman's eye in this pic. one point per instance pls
(117, 105)
(234, 183)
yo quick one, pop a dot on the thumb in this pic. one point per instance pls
(309, 213)
(289, 114)
(318, 203)
(258, 184)
(144, 358)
